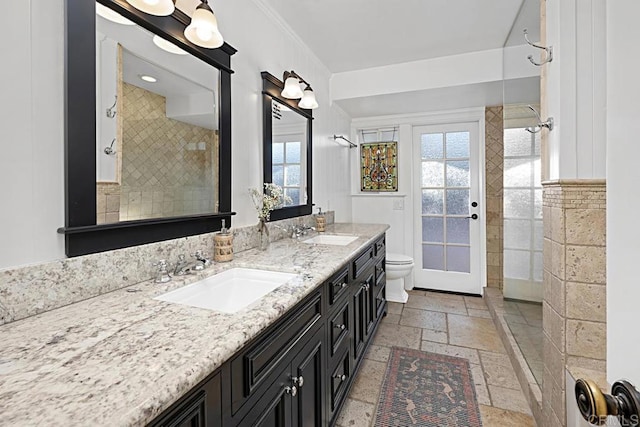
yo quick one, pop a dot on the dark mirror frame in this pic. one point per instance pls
(82, 235)
(271, 89)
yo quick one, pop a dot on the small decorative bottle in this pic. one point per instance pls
(223, 245)
(321, 221)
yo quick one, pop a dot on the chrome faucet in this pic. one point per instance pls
(163, 275)
(300, 230)
(182, 266)
(201, 261)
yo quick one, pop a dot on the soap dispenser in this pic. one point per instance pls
(223, 245)
(321, 221)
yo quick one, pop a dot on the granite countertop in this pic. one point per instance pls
(122, 358)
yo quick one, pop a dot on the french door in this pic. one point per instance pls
(447, 208)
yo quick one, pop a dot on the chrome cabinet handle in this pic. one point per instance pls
(293, 391)
(299, 381)
(343, 285)
(341, 327)
(341, 377)
(366, 286)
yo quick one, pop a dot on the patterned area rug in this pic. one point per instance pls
(427, 389)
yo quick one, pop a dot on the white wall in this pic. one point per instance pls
(576, 96)
(623, 203)
(31, 167)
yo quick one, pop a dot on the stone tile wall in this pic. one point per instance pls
(574, 306)
(108, 202)
(169, 167)
(494, 168)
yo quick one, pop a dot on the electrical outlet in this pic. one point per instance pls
(398, 205)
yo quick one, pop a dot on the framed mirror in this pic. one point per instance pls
(287, 148)
(148, 129)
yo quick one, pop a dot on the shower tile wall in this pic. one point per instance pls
(169, 168)
(494, 159)
(574, 307)
(108, 202)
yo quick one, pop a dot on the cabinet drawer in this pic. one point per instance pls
(380, 247)
(257, 364)
(339, 381)
(381, 275)
(338, 285)
(362, 262)
(339, 327)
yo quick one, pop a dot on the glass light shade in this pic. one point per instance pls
(168, 46)
(203, 29)
(154, 7)
(112, 15)
(308, 100)
(292, 88)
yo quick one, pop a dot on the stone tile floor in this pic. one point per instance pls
(526, 326)
(447, 324)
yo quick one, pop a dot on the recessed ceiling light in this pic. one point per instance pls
(168, 46)
(112, 15)
(148, 78)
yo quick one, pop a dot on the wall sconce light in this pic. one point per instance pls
(202, 31)
(154, 7)
(292, 90)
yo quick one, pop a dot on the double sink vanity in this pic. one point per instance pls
(272, 338)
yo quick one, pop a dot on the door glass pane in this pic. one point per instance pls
(370, 136)
(538, 235)
(457, 230)
(433, 257)
(432, 146)
(432, 229)
(457, 173)
(457, 202)
(277, 152)
(457, 145)
(293, 152)
(537, 211)
(459, 258)
(537, 266)
(388, 135)
(432, 202)
(432, 174)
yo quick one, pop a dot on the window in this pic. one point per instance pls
(287, 168)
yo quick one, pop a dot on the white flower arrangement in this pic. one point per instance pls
(272, 198)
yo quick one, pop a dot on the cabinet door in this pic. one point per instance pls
(274, 407)
(307, 375)
(359, 317)
(370, 302)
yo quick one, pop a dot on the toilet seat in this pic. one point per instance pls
(398, 259)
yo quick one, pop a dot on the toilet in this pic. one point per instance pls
(398, 268)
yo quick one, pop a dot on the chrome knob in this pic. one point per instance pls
(343, 285)
(341, 377)
(341, 327)
(293, 391)
(299, 381)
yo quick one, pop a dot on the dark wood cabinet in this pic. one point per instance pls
(298, 372)
(201, 408)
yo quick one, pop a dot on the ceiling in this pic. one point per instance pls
(357, 34)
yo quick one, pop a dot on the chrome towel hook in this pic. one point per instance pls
(549, 51)
(541, 124)
(111, 113)
(109, 151)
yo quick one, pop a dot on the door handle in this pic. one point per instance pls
(595, 406)
(474, 216)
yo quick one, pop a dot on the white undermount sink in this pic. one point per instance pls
(229, 291)
(331, 239)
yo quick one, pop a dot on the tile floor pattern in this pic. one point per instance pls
(525, 323)
(446, 324)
